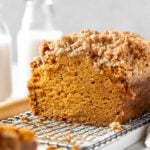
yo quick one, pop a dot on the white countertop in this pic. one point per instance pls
(138, 146)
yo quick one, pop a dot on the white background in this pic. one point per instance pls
(73, 15)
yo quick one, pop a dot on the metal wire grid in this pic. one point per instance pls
(61, 134)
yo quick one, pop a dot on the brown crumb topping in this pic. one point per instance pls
(111, 48)
(115, 126)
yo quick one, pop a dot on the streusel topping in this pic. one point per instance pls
(111, 48)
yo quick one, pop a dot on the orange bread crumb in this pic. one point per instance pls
(115, 126)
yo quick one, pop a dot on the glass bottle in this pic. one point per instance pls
(5, 69)
(37, 25)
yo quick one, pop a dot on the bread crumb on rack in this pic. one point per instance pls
(50, 147)
(115, 126)
(75, 147)
(68, 138)
(25, 119)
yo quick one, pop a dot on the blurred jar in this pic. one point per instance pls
(5, 50)
(37, 25)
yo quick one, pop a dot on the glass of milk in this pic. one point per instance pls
(37, 25)
(5, 71)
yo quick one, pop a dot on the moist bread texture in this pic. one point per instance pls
(12, 138)
(91, 77)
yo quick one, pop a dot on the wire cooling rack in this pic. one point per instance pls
(66, 135)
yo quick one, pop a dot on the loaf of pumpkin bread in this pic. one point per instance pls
(91, 77)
